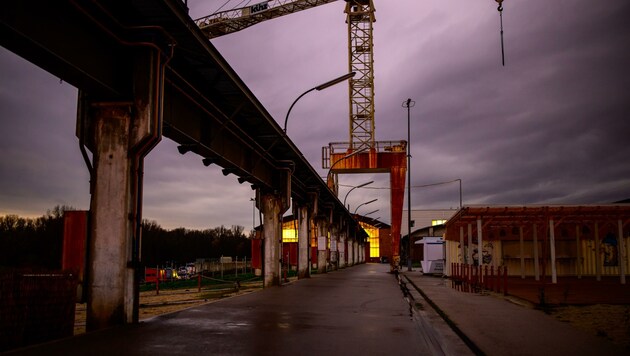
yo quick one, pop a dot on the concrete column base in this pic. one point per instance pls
(272, 234)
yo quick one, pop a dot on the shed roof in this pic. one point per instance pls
(516, 216)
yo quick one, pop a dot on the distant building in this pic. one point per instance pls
(377, 244)
(425, 222)
(423, 218)
(379, 239)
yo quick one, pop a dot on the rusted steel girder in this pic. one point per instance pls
(384, 157)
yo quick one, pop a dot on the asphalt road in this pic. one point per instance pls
(359, 310)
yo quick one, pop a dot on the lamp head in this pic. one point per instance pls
(335, 81)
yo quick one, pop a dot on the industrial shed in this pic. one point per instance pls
(543, 242)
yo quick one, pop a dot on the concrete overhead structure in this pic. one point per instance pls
(144, 70)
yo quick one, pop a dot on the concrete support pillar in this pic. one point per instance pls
(119, 135)
(322, 244)
(343, 235)
(355, 252)
(304, 238)
(272, 235)
(334, 250)
(361, 253)
(365, 253)
(350, 252)
(111, 230)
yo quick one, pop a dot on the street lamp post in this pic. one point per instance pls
(253, 214)
(460, 192)
(318, 88)
(409, 104)
(353, 188)
(328, 182)
(366, 203)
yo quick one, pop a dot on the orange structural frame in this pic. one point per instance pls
(384, 157)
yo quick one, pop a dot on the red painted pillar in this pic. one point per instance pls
(397, 184)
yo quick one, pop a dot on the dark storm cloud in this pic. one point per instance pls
(39, 161)
(551, 126)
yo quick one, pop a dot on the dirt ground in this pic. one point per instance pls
(167, 301)
(604, 320)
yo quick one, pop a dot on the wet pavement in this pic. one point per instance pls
(361, 310)
(493, 324)
(355, 311)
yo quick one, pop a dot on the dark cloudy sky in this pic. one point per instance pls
(552, 126)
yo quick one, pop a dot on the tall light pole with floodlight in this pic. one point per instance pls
(409, 104)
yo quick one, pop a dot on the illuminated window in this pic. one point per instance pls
(438, 222)
(372, 239)
(289, 232)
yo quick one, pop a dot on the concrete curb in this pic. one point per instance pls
(444, 333)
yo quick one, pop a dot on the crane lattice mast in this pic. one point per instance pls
(360, 19)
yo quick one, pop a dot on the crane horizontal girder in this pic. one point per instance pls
(229, 21)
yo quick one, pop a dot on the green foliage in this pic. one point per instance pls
(37, 242)
(182, 245)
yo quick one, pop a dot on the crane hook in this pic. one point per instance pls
(500, 2)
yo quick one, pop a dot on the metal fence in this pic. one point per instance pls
(36, 307)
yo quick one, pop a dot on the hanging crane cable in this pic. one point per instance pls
(500, 9)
